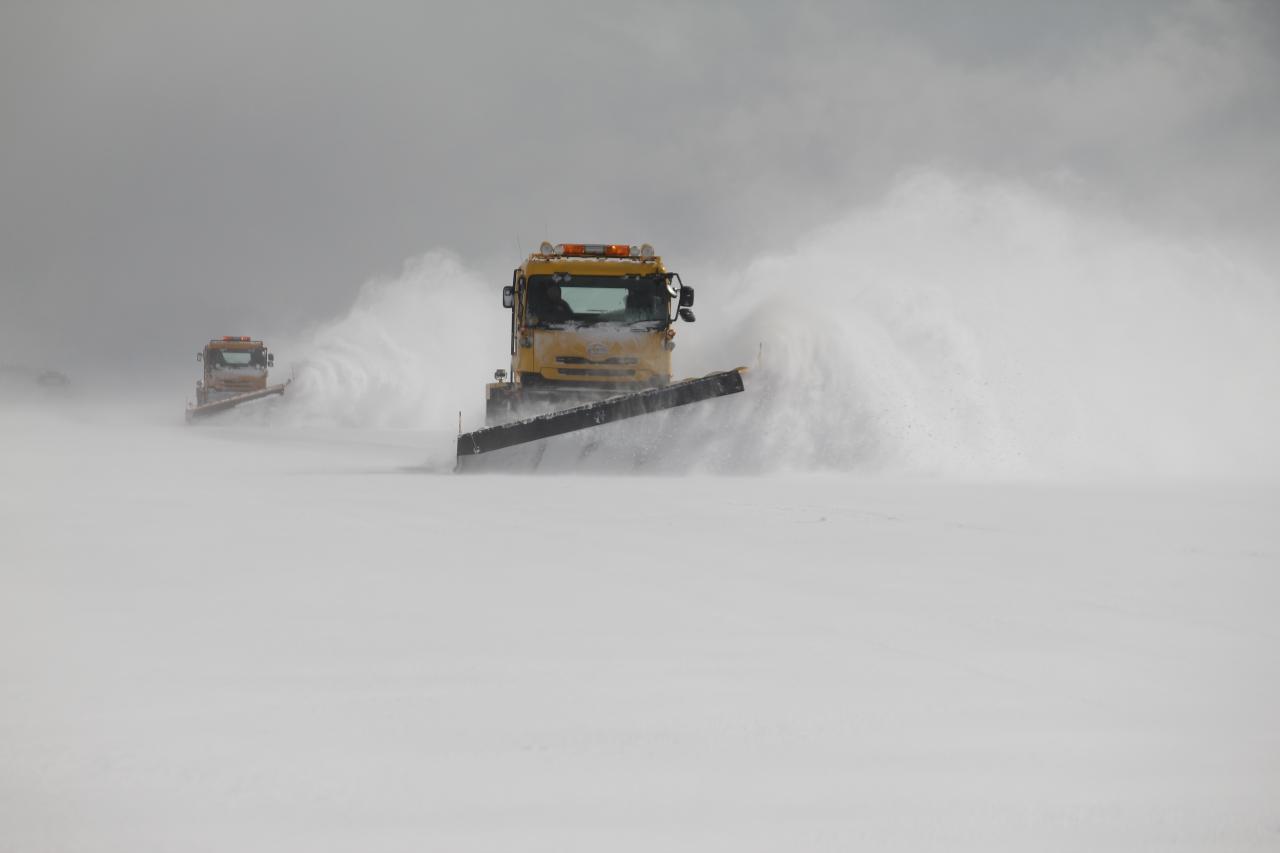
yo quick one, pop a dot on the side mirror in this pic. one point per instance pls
(508, 296)
(686, 296)
(687, 315)
(199, 356)
(271, 359)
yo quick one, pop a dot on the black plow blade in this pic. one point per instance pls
(602, 412)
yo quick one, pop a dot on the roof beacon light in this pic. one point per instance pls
(598, 250)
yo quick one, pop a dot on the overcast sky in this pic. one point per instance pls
(171, 171)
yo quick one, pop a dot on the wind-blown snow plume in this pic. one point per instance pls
(985, 330)
(411, 353)
(955, 329)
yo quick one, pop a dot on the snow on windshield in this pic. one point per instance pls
(224, 359)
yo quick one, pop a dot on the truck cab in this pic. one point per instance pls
(588, 321)
(233, 365)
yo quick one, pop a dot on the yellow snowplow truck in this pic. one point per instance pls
(592, 332)
(235, 372)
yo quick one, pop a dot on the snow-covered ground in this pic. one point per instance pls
(237, 637)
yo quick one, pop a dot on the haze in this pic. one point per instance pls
(170, 172)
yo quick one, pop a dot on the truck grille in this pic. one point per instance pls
(594, 371)
(577, 359)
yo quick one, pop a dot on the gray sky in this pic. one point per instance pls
(171, 171)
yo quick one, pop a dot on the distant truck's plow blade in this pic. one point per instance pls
(602, 412)
(216, 406)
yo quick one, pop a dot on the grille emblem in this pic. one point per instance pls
(597, 350)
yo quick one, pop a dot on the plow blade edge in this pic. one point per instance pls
(603, 412)
(232, 402)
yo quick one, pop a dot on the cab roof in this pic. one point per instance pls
(596, 258)
(234, 342)
(543, 265)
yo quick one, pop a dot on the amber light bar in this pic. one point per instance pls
(598, 250)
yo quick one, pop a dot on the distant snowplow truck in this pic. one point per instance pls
(235, 372)
(592, 331)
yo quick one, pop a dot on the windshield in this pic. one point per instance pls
(237, 358)
(589, 299)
